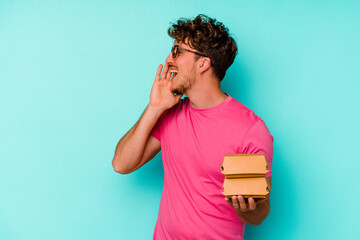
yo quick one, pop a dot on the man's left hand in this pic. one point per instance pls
(239, 203)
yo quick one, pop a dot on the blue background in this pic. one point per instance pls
(75, 76)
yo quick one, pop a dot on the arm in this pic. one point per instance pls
(253, 212)
(257, 140)
(137, 147)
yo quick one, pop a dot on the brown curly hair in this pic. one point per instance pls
(209, 37)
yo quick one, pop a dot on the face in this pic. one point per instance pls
(183, 69)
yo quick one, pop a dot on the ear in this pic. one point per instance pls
(204, 64)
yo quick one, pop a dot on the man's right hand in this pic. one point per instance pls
(161, 95)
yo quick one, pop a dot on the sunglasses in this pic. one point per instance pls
(175, 50)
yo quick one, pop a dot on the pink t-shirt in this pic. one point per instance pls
(193, 145)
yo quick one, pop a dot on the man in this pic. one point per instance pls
(194, 134)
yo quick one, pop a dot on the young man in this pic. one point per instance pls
(194, 134)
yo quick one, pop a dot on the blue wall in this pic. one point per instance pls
(76, 75)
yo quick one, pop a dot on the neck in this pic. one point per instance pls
(206, 94)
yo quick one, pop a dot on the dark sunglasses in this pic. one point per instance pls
(175, 50)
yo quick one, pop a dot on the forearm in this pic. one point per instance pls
(256, 216)
(130, 148)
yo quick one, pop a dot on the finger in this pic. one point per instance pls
(168, 75)
(242, 203)
(157, 78)
(165, 71)
(252, 204)
(228, 200)
(235, 202)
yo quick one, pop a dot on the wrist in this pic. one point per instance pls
(155, 110)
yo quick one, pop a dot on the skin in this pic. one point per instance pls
(196, 76)
(253, 211)
(195, 79)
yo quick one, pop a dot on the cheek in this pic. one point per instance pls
(193, 69)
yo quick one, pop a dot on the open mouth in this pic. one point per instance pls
(173, 73)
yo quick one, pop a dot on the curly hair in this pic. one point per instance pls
(209, 37)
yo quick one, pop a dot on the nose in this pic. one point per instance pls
(170, 59)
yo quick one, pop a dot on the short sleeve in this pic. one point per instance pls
(156, 131)
(259, 140)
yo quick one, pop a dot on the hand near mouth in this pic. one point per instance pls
(161, 95)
